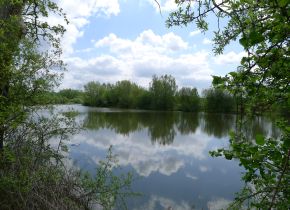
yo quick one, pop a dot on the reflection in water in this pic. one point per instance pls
(218, 125)
(162, 126)
(218, 204)
(169, 150)
(155, 202)
(187, 123)
(260, 125)
(120, 122)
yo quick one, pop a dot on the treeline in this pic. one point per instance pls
(65, 96)
(163, 94)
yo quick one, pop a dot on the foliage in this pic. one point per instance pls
(261, 82)
(106, 189)
(24, 69)
(162, 95)
(263, 31)
(123, 94)
(65, 96)
(162, 126)
(188, 99)
(95, 94)
(70, 96)
(162, 90)
(126, 94)
(267, 170)
(36, 175)
(34, 172)
(217, 100)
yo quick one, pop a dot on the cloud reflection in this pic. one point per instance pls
(155, 202)
(145, 158)
(217, 204)
(165, 203)
(175, 137)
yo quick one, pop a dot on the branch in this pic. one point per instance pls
(219, 8)
(280, 179)
(158, 6)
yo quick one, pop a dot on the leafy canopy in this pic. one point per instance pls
(262, 28)
(261, 81)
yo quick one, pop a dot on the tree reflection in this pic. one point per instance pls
(217, 125)
(187, 123)
(163, 126)
(120, 122)
(260, 125)
(160, 125)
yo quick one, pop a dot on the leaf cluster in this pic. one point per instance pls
(266, 164)
(260, 83)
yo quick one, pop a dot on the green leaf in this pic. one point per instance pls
(217, 80)
(228, 155)
(243, 41)
(287, 142)
(260, 139)
(255, 37)
(283, 3)
(233, 74)
(232, 134)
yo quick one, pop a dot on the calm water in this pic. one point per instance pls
(167, 152)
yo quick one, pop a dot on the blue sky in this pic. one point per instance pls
(114, 40)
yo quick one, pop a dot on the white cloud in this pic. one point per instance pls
(146, 41)
(78, 13)
(206, 41)
(229, 58)
(103, 68)
(194, 33)
(140, 58)
(86, 50)
(164, 5)
(87, 8)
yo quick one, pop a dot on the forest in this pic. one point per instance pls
(163, 94)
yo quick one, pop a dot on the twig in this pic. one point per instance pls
(280, 179)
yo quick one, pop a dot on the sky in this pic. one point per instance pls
(113, 40)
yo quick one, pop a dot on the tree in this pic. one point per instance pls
(188, 99)
(261, 81)
(95, 94)
(24, 70)
(163, 90)
(262, 29)
(71, 95)
(218, 101)
(33, 174)
(127, 94)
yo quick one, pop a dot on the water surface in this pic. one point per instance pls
(167, 152)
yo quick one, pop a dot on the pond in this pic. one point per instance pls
(168, 153)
